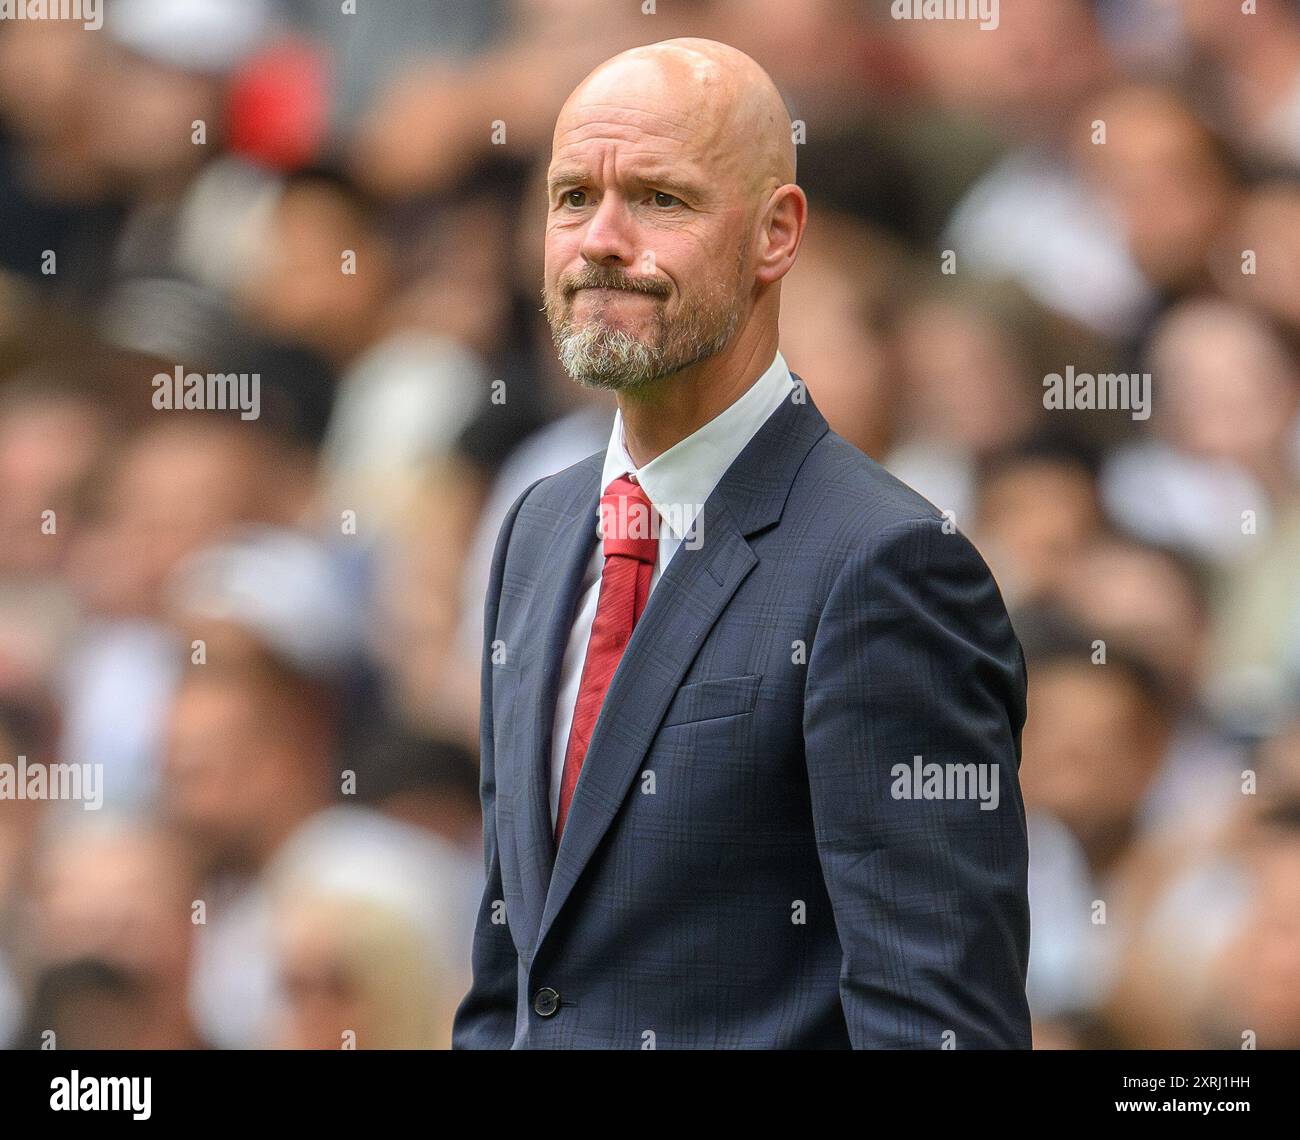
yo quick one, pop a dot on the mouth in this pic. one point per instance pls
(604, 291)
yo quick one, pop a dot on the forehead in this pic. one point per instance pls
(641, 109)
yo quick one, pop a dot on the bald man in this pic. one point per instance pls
(751, 707)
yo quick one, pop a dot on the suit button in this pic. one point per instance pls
(546, 1002)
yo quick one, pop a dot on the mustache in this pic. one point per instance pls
(597, 277)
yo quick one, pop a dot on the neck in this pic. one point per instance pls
(664, 413)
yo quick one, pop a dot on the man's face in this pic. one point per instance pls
(647, 235)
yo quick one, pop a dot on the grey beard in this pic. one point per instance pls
(610, 359)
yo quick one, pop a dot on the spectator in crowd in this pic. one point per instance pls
(111, 937)
(1207, 477)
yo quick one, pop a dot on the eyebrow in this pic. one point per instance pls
(564, 178)
(658, 178)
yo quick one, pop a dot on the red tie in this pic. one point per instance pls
(630, 545)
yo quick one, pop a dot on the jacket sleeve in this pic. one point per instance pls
(486, 1016)
(914, 665)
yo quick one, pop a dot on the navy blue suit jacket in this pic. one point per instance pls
(745, 864)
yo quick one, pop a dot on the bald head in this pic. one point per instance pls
(721, 104)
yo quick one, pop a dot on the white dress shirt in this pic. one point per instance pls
(678, 483)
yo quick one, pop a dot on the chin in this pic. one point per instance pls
(631, 328)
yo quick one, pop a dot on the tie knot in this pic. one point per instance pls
(628, 522)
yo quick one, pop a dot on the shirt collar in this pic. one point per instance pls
(679, 481)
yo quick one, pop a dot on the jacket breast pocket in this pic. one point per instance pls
(713, 698)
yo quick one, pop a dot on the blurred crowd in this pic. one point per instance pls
(265, 632)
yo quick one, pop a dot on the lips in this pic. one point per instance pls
(613, 289)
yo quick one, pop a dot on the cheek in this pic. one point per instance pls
(673, 256)
(700, 268)
(561, 251)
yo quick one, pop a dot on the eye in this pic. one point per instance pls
(659, 195)
(569, 196)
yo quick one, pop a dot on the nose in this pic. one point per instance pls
(610, 237)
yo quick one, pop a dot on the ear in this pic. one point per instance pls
(780, 233)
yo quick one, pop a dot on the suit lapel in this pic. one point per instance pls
(550, 612)
(683, 607)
